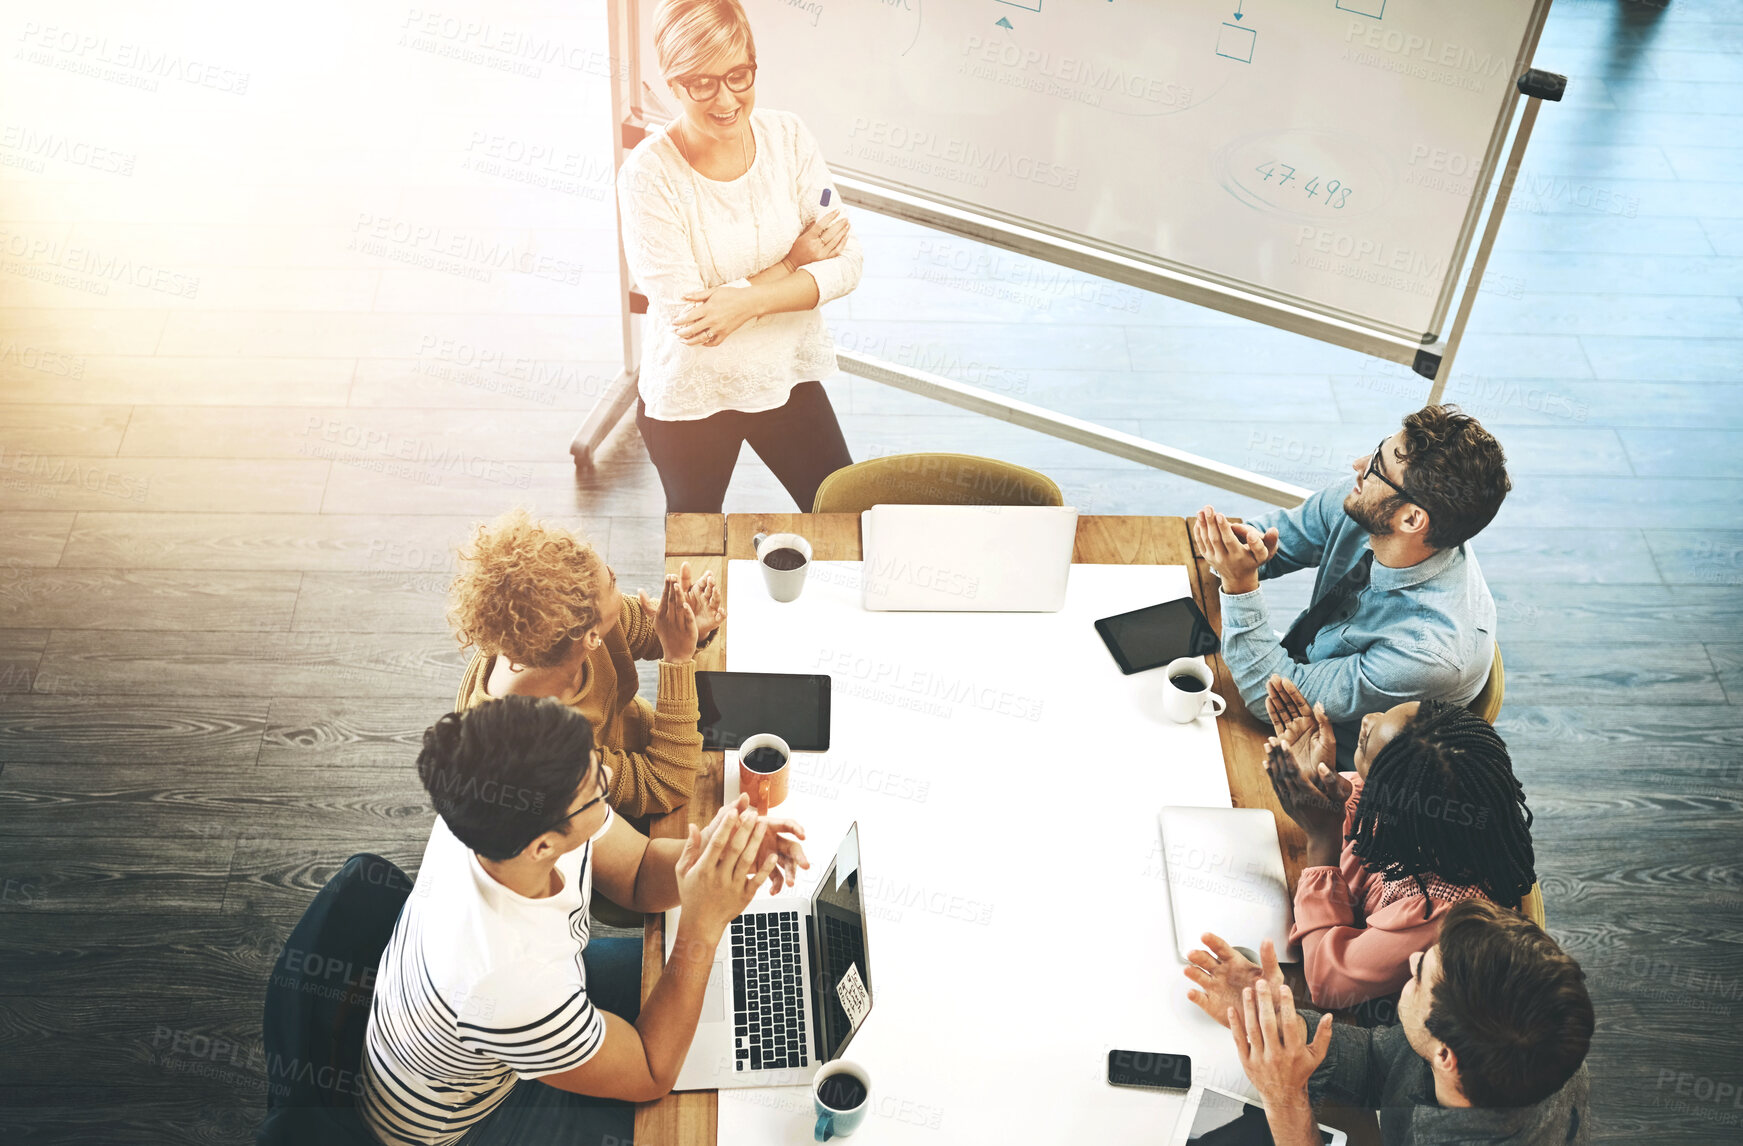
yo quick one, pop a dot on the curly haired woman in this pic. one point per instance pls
(1432, 816)
(544, 612)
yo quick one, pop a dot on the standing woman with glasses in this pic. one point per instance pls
(724, 229)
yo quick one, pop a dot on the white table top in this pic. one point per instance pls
(1006, 959)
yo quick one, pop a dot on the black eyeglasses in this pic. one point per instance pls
(703, 87)
(604, 783)
(1374, 469)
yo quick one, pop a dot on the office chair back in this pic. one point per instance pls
(317, 1006)
(933, 479)
(1487, 703)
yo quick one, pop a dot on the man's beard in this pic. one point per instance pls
(1376, 522)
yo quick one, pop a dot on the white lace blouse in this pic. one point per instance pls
(684, 232)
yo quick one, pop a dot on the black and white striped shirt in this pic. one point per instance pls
(479, 986)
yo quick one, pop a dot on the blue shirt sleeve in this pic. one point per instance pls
(1350, 687)
(1303, 532)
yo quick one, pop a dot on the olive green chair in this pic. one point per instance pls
(1532, 905)
(1488, 702)
(1488, 706)
(933, 479)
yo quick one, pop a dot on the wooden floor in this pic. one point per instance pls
(227, 517)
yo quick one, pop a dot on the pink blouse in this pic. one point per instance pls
(1357, 931)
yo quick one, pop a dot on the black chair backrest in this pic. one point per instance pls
(317, 1005)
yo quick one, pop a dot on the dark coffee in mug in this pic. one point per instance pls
(785, 559)
(841, 1092)
(1185, 682)
(764, 759)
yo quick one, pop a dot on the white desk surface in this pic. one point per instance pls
(1006, 779)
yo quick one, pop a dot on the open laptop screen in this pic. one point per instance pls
(839, 917)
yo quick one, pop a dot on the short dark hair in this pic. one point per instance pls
(1456, 471)
(1510, 1004)
(500, 774)
(1441, 799)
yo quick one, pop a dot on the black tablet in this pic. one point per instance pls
(1152, 636)
(738, 705)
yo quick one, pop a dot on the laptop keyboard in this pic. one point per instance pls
(768, 1018)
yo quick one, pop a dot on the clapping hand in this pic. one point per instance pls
(1314, 802)
(674, 621)
(1221, 973)
(723, 866)
(1271, 1041)
(1235, 550)
(703, 596)
(781, 840)
(1304, 733)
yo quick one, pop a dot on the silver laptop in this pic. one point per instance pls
(967, 558)
(1225, 874)
(789, 988)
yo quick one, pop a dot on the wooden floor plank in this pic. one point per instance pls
(1685, 453)
(347, 732)
(92, 431)
(281, 875)
(127, 875)
(20, 655)
(382, 602)
(423, 438)
(142, 377)
(447, 375)
(274, 664)
(63, 799)
(33, 539)
(101, 729)
(189, 954)
(1710, 556)
(46, 1041)
(187, 1110)
(419, 544)
(108, 484)
(1623, 674)
(148, 599)
(1727, 658)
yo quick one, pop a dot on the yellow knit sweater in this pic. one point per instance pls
(654, 752)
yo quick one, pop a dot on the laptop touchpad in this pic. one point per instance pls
(714, 999)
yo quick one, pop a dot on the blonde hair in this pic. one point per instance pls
(527, 591)
(687, 33)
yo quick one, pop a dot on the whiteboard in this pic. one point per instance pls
(1324, 154)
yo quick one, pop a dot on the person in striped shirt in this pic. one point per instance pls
(494, 1019)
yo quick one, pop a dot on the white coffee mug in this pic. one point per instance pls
(1185, 705)
(783, 584)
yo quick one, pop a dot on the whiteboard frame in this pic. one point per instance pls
(630, 123)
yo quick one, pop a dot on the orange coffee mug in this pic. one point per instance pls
(765, 788)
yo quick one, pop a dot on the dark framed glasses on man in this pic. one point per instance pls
(1374, 470)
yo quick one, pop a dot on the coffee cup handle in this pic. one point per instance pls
(1217, 704)
(825, 1127)
(756, 547)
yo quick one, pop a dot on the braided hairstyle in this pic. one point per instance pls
(1441, 799)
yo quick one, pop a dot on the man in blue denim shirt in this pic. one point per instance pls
(1400, 610)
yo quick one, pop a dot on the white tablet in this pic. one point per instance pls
(1215, 1117)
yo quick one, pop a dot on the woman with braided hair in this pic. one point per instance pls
(1432, 815)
